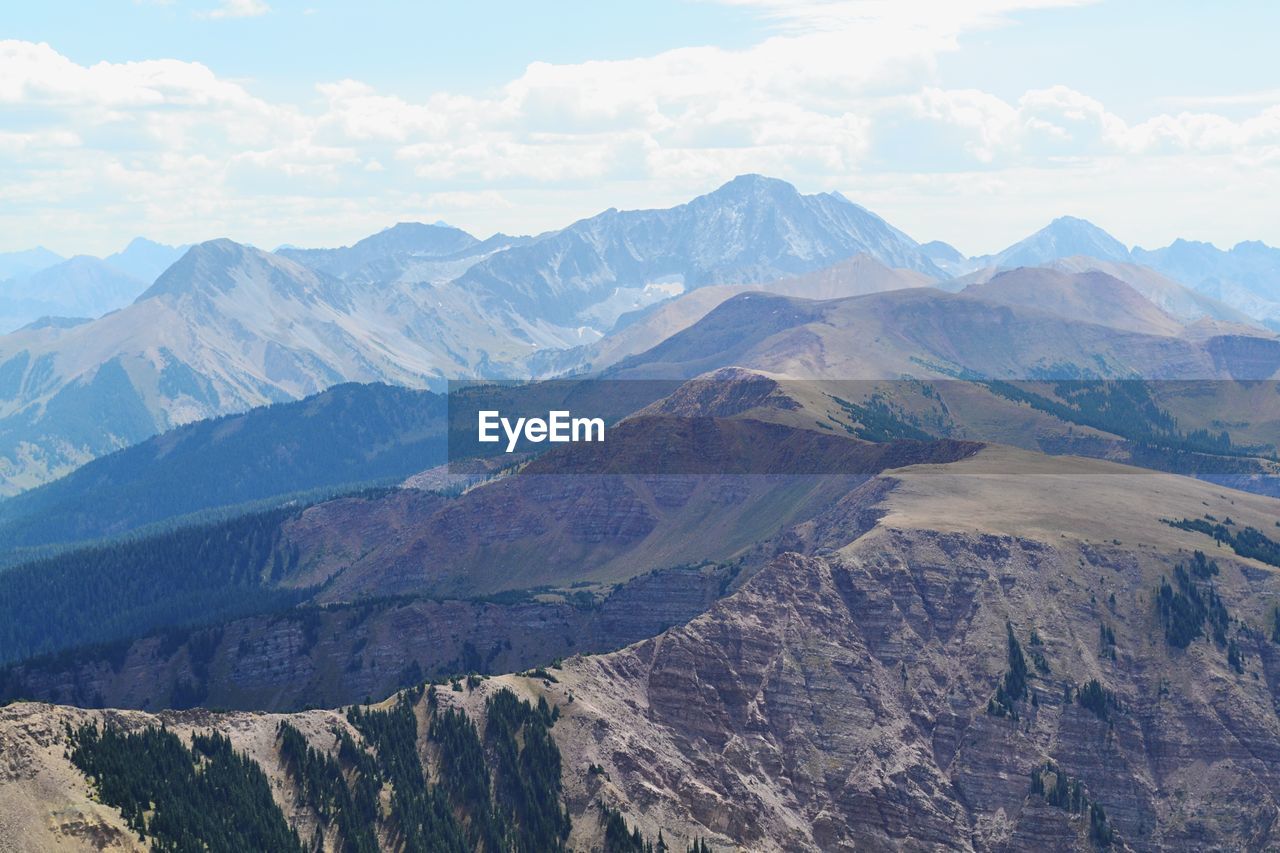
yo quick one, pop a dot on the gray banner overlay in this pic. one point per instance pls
(748, 423)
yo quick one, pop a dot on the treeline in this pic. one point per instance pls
(1121, 407)
(351, 809)
(421, 817)
(1248, 542)
(206, 798)
(93, 595)
(497, 792)
(500, 791)
(879, 422)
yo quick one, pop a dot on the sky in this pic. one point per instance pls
(316, 123)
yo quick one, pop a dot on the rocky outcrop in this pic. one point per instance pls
(842, 703)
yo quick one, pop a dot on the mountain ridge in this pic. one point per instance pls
(856, 691)
(227, 327)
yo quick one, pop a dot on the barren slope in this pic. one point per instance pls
(840, 701)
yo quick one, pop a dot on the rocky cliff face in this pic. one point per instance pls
(339, 655)
(848, 701)
(842, 704)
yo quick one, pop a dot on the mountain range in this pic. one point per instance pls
(991, 650)
(226, 327)
(345, 438)
(41, 284)
(752, 229)
(28, 261)
(1246, 277)
(849, 581)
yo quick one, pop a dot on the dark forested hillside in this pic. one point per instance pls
(414, 774)
(106, 592)
(351, 434)
(207, 797)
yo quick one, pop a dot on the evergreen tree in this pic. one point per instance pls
(206, 798)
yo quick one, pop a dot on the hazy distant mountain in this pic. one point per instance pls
(1061, 238)
(145, 259)
(1178, 300)
(1091, 297)
(26, 262)
(1240, 285)
(1246, 277)
(861, 274)
(946, 256)
(346, 436)
(409, 251)
(928, 333)
(225, 328)
(1250, 269)
(83, 286)
(54, 322)
(1251, 264)
(38, 283)
(751, 229)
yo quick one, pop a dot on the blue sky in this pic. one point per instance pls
(315, 123)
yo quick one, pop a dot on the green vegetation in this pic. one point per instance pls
(619, 839)
(1121, 407)
(465, 774)
(501, 793)
(1041, 663)
(1184, 612)
(1235, 658)
(347, 437)
(1202, 567)
(351, 809)
(205, 798)
(527, 767)
(1064, 792)
(1013, 685)
(197, 574)
(422, 818)
(877, 421)
(1107, 639)
(1250, 542)
(1096, 698)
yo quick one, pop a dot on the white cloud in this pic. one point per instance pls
(237, 9)
(844, 95)
(805, 16)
